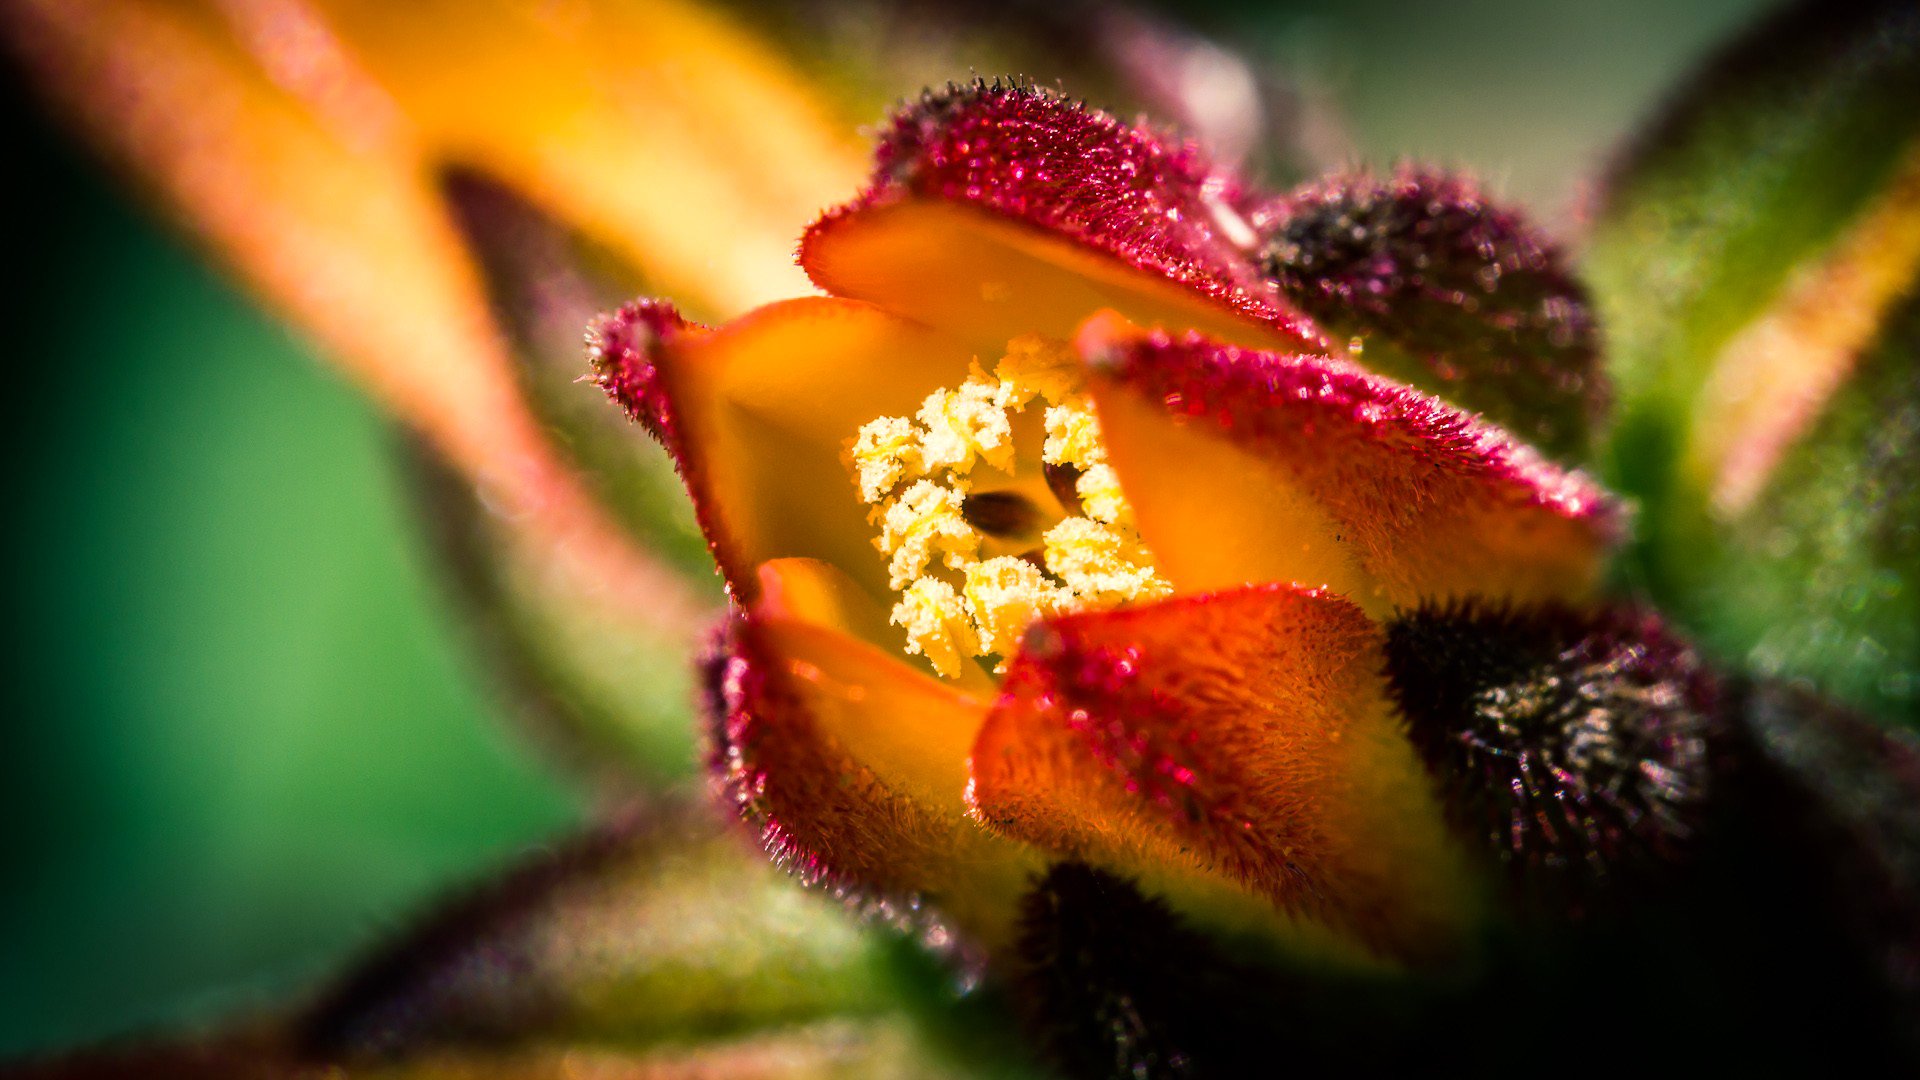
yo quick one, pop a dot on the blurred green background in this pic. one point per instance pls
(245, 737)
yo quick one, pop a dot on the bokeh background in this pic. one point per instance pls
(244, 735)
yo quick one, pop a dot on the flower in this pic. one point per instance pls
(1056, 531)
(1122, 582)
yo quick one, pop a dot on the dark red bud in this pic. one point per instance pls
(1447, 291)
(1581, 749)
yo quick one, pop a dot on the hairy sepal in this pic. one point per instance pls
(1447, 290)
(1581, 749)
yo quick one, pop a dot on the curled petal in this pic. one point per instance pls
(760, 412)
(1239, 737)
(1007, 209)
(620, 347)
(1256, 466)
(850, 762)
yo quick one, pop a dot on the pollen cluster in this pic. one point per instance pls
(995, 506)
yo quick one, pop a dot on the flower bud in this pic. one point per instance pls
(1444, 289)
(1580, 750)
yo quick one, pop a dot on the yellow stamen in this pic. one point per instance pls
(887, 451)
(963, 424)
(956, 600)
(1099, 492)
(937, 625)
(922, 523)
(1004, 595)
(1073, 434)
(1102, 564)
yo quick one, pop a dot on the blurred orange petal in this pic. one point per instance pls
(306, 144)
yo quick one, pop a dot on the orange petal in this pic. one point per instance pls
(828, 599)
(988, 280)
(1246, 466)
(764, 409)
(852, 763)
(1000, 210)
(621, 347)
(658, 125)
(1242, 736)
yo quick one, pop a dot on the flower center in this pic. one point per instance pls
(993, 514)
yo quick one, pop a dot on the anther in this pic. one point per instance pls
(1004, 515)
(1063, 480)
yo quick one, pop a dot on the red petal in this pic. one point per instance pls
(1241, 735)
(758, 414)
(851, 762)
(621, 346)
(1235, 458)
(1072, 173)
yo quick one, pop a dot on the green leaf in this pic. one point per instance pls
(1756, 166)
(602, 683)
(660, 926)
(599, 675)
(1819, 578)
(887, 1048)
(1752, 262)
(660, 944)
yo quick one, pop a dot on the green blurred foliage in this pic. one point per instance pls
(1739, 193)
(246, 736)
(243, 735)
(1821, 579)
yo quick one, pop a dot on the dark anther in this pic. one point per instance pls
(1063, 481)
(1002, 514)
